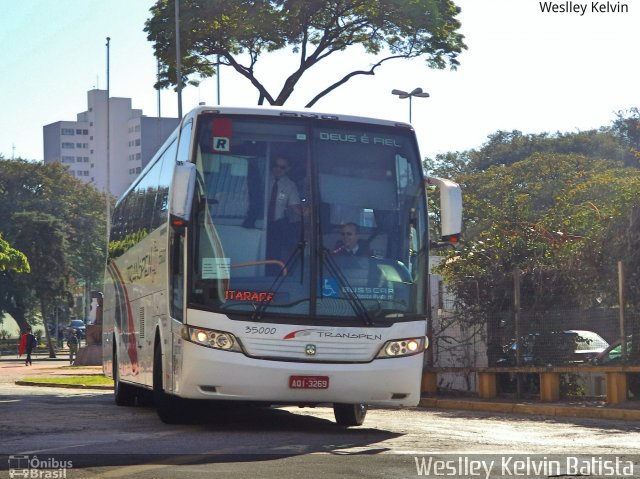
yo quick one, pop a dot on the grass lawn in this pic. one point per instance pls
(92, 380)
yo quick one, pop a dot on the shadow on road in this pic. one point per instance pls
(89, 430)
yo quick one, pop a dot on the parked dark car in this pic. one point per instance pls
(554, 348)
(78, 326)
(551, 348)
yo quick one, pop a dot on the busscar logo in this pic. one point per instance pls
(34, 467)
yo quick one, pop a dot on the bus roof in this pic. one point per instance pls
(281, 111)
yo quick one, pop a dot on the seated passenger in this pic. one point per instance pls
(351, 245)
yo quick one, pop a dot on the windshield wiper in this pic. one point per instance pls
(354, 301)
(278, 280)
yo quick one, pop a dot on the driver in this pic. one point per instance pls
(351, 244)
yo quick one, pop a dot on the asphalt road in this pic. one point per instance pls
(100, 439)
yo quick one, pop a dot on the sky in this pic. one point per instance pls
(525, 69)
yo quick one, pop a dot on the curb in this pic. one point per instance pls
(533, 409)
(66, 386)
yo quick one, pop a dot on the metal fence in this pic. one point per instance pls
(513, 325)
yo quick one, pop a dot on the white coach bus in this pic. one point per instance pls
(228, 276)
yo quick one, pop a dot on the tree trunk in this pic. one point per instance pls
(18, 316)
(43, 310)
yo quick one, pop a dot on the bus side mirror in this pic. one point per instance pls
(450, 208)
(182, 189)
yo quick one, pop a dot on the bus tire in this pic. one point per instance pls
(124, 394)
(348, 415)
(167, 405)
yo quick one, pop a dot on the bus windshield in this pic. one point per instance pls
(302, 219)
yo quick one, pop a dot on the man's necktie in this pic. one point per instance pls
(271, 211)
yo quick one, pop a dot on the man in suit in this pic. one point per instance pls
(283, 206)
(351, 245)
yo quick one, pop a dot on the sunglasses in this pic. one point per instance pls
(347, 234)
(280, 167)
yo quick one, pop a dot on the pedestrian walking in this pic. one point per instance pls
(28, 342)
(72, 344)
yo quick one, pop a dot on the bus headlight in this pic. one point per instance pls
(211, 338)
(402, 347)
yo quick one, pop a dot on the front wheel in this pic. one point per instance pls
(350, 414)
(168, 406)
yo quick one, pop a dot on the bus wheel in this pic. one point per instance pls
(350, 414)
(167, 405)
(124, 394)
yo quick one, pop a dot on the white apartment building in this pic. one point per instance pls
(82, 144)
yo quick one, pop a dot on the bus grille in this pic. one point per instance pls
(325, 351)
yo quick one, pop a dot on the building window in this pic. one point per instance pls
(68, 145)
(66, 131)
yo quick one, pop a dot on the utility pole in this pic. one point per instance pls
(178, 62)
(108, 183)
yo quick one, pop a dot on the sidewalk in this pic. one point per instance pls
(629, 410)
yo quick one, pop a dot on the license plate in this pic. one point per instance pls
(308, 382)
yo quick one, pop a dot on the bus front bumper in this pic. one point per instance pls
(205, 373)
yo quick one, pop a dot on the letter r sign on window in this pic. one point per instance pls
(220, 143)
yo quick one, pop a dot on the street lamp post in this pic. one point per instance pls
(403, 94)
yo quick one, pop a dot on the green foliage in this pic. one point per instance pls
(237, 32)
(563, 208)
(58, 223)
(11, 259)
(627, 128)
(558, 218)
(507, 148)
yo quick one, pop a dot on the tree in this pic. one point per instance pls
(627, 128)
(237, 32)
(43, 238)
(58, 222)
(11, 259)
(563, 220)
(508, 147)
